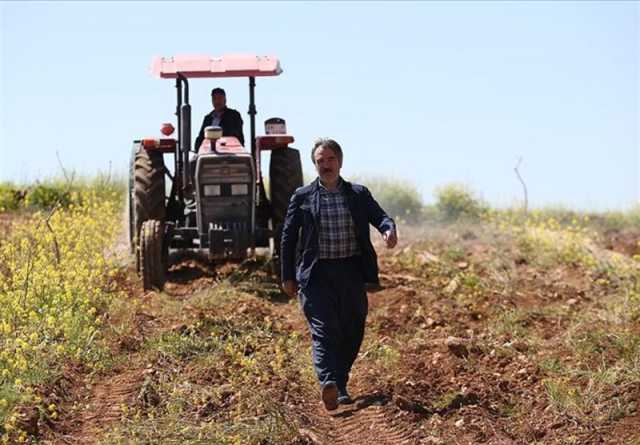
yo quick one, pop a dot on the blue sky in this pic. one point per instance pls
(430, 92)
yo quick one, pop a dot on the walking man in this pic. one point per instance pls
(330, 217)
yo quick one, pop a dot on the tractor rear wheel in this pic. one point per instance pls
(152, 254)
(285, 176)
(146, 190)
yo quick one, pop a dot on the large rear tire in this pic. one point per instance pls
(285, 176)
(146, 190)
(152, 254)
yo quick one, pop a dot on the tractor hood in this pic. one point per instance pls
(229, 65)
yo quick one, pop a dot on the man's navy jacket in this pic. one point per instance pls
(302, 224)
(231, 123)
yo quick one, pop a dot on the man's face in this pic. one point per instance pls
(327, 164)
(219, 101)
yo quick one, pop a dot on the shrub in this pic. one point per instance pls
(9, 197)
(399, 198)
(457, 200)
(46, 196)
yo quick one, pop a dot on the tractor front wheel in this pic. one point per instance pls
(152, 254)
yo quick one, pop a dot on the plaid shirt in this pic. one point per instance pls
(337, 231)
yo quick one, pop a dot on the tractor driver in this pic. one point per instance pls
(221, 116)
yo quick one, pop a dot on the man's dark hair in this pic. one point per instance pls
(326, 143)
(218, 91)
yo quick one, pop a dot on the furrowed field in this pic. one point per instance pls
(490, 326)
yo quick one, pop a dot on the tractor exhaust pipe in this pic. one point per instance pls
(252, 113)
(184, 131)
(185, 144)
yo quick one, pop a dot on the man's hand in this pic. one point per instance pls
(290, 288)
(390, 238)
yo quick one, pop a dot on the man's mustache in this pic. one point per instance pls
(326, 170)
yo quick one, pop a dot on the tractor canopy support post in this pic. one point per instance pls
(185, 143)
(252, 120)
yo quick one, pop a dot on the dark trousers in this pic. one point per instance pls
(335, 305)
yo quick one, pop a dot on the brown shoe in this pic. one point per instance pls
(330, 396)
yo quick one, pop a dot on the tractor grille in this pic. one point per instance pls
(222, 174)
(214, 209)
(230, 225)
(224, 169)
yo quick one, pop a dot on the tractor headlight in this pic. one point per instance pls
(239, 189)
(212, 190)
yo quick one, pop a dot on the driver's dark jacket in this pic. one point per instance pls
(301, 230)
(231, 123)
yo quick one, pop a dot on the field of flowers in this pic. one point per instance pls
(55, 283)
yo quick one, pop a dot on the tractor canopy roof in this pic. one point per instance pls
(228, 65)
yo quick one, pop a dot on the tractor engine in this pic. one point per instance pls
(225, 190)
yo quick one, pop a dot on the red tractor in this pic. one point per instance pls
(216, 202)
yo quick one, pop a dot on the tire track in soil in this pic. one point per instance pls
(100, 400)
(366, 422)
(105, 406)
(363, 422)
(103, 402)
